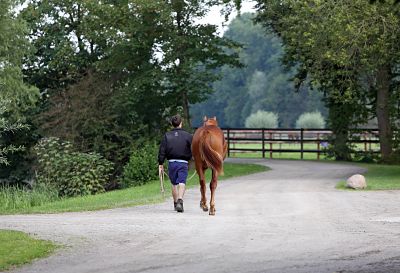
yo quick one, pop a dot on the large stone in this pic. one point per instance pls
(356, 181)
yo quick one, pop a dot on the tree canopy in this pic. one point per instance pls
(111, 72)
(349, 50)
(263, 84)
(16, 97)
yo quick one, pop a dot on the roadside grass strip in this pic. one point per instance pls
(18, 248)
(378, 177)
(141, 195)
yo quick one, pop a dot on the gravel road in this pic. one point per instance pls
(289, 219)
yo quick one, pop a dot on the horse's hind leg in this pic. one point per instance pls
(213, 187)
(203, 201)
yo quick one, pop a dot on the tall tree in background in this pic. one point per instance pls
(192, 53)
(263, 84)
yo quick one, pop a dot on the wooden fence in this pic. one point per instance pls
(272, 141)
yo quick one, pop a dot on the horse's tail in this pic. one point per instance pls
(213, 158)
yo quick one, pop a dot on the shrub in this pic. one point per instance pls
(262, 119)
(7, 127)
(72, 173)
(142, 166)
(312, 120)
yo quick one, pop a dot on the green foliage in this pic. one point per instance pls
(142, 166)
(72, 173)
(312, 120)
(17, 98)
(112, 71)
(6, 127)
(348, 49)
(263, 82)
(13, 47)
(262, 119)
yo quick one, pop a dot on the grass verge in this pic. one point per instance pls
(146, 194)
(18, 248)
(379, 177)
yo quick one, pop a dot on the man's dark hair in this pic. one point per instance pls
(176, 120)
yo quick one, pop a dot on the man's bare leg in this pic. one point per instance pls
(175, 192)
(181, 192)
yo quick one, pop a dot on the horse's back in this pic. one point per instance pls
(208, 147)
(214, 135)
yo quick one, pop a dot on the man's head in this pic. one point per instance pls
(176, 121)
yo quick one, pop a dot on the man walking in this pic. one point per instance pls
(176, 148)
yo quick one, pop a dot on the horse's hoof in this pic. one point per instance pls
(203, 206)
(212, 212)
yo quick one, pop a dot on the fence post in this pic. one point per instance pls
(302, 142)
(318, 146)
(229, 141)
(263, 143)
(270, 145)
(365, 142)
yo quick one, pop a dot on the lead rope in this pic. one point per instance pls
(195, 172)
(161, 176)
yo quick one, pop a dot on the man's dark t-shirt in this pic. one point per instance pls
(176, 144)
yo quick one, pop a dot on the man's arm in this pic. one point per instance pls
(162, 154)
(162, 151)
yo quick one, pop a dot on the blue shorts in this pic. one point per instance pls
(178, 172)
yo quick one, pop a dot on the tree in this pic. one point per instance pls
(6, 127)
(349, 49)
(263, 84)
(16, 97)
(262, 119)
(66, 42)
(312, 120)
(110, 69)
(193, 52)
(96, 63)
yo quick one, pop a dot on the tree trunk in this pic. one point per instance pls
(186, 109)
(178, 6)
(382, 112)
(340, 118)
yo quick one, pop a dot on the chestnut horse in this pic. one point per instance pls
(209, 151)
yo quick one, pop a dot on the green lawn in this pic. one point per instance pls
(146, 194)
(379, 177)
(17, 248)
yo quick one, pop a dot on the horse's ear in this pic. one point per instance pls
(205, 118)
(215, 118)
